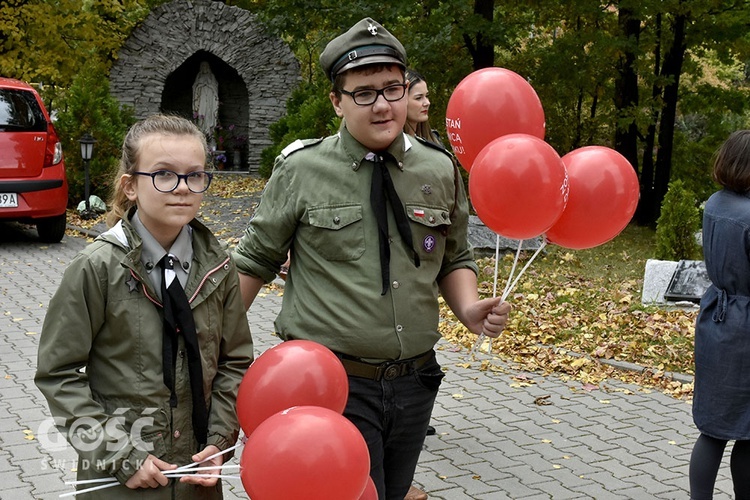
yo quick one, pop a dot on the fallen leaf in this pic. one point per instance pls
(543, 400)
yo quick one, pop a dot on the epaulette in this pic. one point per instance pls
(433, 145)
(299, 144)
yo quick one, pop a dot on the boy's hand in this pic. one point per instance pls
(488, 316)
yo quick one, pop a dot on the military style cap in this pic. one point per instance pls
(367, 42)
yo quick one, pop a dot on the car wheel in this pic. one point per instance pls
(51, 229)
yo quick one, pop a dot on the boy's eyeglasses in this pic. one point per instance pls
(166, 181)
(366, 97)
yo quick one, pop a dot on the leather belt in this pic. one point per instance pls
(388, 370)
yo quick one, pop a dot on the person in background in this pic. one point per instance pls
(721, 400)
(418, 124)
(418, 109)
(146, 340)
(377, 227)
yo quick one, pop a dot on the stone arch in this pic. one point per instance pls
(158, 63)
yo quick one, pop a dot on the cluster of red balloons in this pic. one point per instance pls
(290, 404)
(519, 185)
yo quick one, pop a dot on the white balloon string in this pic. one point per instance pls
(190, 474)
(513, 267)
(497, 261)
(515, 281)
(93, 481)
(481, 337)
(178, 472)
(218, 467)
(166, 473)
(86, 490)
(194, 464)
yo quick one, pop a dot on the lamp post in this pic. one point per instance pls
(87, 150)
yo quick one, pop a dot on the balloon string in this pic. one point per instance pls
(538, 251)
(497, 262)
(482, 336)
(86, 490)
(114, 481)
(512, 269)
(190, 466)
(509, 286)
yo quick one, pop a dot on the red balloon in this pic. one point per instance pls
(371, 492)
(518, 186)
(603, 197)
(305, 452)
(294, 373)
(487, 104)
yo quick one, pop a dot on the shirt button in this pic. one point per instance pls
(432, 219)
(176, 434)
(182, 354)
(399, 328)
(396, 284)
(337, 220)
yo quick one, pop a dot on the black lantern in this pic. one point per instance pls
(87, 151)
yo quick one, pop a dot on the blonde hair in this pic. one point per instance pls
(131, 146)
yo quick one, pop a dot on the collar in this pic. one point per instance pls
(152, 252)
(357, 152)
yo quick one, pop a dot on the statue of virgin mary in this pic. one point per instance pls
(206, 100)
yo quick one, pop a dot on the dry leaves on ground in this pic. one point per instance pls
(566, 323)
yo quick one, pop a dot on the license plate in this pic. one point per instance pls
(8, 200)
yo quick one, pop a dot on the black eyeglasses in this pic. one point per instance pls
(166, 181)
(366, 97)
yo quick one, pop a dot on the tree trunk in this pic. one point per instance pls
(671, 71)
(644, 214)
(626, 87)
(482, 50)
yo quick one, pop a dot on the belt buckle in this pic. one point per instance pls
(391, 372)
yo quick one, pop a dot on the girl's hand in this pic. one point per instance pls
(214, 462)
(149, 474)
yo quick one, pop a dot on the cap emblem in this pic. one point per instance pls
(372, 29)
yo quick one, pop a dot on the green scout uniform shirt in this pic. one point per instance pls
(318, 202)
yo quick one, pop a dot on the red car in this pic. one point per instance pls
(33, 186)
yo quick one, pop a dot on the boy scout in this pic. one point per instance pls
(377, 225)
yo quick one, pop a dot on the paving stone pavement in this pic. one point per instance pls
(502, 434)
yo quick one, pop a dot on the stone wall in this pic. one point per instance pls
(158, 63)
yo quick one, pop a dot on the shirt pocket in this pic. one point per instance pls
(430, 230)
(336, 232)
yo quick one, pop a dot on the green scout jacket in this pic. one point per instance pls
(100, 360)
(317, 202)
